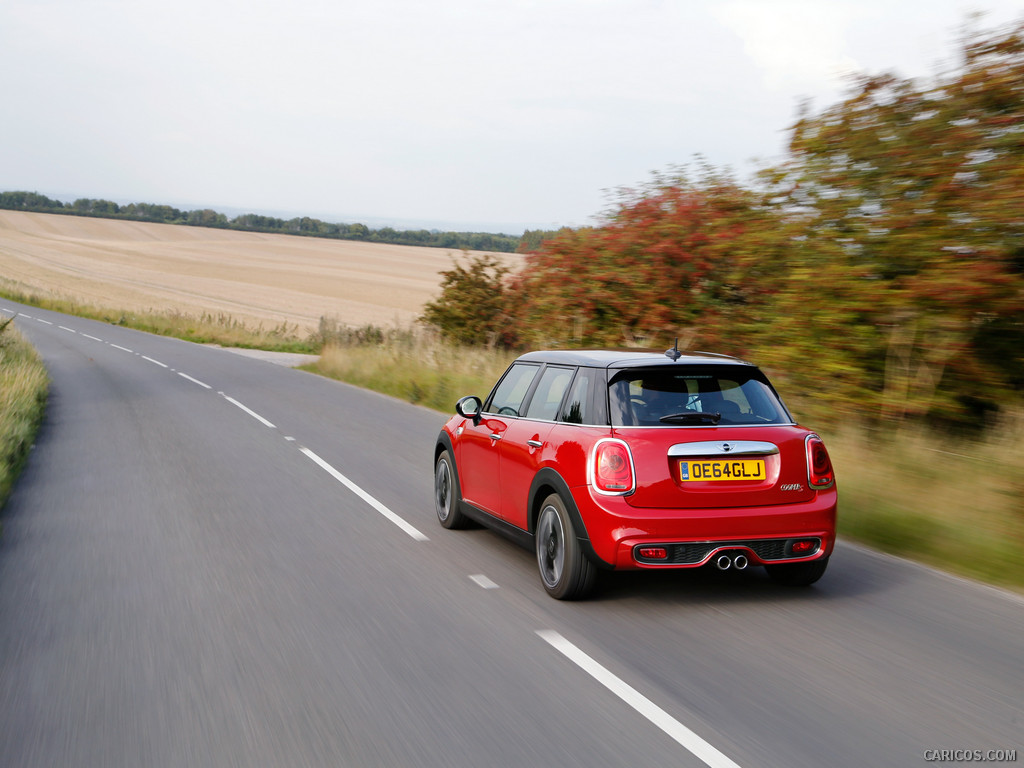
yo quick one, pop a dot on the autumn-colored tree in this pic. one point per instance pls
(693, 259)
(913, 201)
(880, 269)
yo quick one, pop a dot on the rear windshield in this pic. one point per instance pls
(693, 396)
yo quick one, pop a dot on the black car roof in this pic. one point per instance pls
(609, 358)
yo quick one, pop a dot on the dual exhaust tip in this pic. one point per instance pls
(728, 560)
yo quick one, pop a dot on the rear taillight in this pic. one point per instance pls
(819, 465)
(611, 467)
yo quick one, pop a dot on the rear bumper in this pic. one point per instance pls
(615, 529)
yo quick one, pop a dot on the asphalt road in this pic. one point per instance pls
(211, 560)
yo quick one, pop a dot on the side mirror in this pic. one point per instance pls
(469, 408)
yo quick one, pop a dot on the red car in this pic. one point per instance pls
(602, 460)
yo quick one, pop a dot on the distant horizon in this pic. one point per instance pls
(374, 222)
(454, 115)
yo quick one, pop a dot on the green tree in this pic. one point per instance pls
(533, 239)
(29, 201)
(206, 218)
(472, 307)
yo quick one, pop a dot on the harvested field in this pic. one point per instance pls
(258, 279)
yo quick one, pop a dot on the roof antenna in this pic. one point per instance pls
(674, 353)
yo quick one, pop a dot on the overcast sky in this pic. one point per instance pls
(473, 113)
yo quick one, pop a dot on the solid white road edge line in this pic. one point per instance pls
(365, 496)
(247, 410)
(194, 381)
(659, 717)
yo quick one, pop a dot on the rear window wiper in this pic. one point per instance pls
(691, 417)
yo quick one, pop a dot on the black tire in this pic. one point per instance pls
(798, 574)
(447, 495)
(565, 571)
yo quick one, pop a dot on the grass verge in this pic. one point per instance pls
(957, 505)
(202, 329)
(412, 365)
(23, 389)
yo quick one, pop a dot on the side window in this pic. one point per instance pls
(548, 395)
(577, 407)
(508, 395)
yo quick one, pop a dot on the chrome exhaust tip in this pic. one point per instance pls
(723, 563)
(740, 562)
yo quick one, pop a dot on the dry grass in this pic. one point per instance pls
(955, 504)
(254, 279)
(201, 329)
(413, 365)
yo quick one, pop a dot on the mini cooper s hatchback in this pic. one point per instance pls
(602, 460)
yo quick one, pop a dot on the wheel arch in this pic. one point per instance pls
(444, 443)
(546, 482)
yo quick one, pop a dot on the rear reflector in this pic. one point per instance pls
(652, 553)
(802, 547)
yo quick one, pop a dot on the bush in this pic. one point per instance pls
(472, 307)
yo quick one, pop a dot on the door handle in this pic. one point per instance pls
(535, 443)
(495, 436)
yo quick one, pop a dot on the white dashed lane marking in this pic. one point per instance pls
(194, 381)
(480, 579)
(483, 581)
(44, 322)
(247, 410)
(409, 529)
(658, 716)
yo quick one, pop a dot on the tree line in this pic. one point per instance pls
(879, 268)
(252, 222)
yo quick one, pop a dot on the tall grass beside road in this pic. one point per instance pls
(23, 389)
(955, 504)
(206, 328)
(410, 364)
